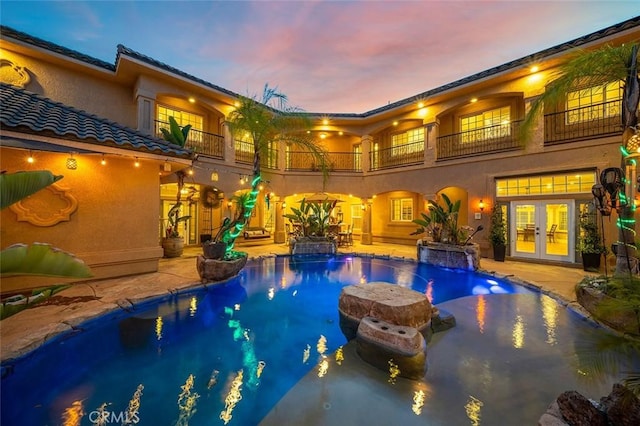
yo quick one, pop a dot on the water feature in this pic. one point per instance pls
(230, 353)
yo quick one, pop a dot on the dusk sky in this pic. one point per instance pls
(326, 56)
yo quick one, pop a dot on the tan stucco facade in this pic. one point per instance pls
(116, 225)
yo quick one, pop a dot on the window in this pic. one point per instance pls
(356, 216)
(402, 210)
(594, 103)
(563, 183)
(408, 142)
(357, 157)
(492, 124)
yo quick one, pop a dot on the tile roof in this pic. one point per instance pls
(27, 112)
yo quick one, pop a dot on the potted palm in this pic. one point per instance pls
(313, 219)
(589, 243)
(498, 234)
(446, 243)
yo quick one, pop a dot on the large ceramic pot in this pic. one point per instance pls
(173, 247)
(499, 253)
(591, 261)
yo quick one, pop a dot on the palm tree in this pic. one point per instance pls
(593, 68)
(265, 123)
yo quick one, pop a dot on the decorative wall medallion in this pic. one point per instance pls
(52, 205)
(13, 74)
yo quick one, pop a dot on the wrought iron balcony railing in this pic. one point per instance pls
(594, 121)
(204, 143)
(503, 137)
(334, 161)
(245, 151)
(397, 156)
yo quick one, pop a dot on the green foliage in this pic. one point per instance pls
(313, 217)
(174, 218)
(589, 240)
(175, 134)
(16, 186)
(498, 231)
(586, 68)
(37, 259)
(442, 222)
(267, 123)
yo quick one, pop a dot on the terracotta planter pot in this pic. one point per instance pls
(173, 247)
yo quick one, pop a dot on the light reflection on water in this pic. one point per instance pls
(286, 305)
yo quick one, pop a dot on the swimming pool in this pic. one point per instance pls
(227, 354)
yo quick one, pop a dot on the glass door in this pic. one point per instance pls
(542, 230)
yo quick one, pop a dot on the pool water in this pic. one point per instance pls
(225, 354)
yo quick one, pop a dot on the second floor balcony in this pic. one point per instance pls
(334, 161)
(397, 156)
(502, 137)
(593, 121)
(208, 144)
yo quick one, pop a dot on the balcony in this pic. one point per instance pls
(334, 161)
(502, 137)
(397, 156)
(594, 121)
(203, 143)
(245, 151)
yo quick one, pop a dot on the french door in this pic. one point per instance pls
(542, 230)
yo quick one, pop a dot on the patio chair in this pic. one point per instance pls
(551, 233)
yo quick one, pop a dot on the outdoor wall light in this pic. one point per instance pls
(284, 206)
(103, 161)
(30, 158)
(481, 205)
(136, 163)
(72, 163)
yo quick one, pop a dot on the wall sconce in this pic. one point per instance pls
(363, 206)
(481, 205)
(214, 176)
(30, 158)
(72, 163)
(167, 166)
(229, 204)
(284, 206)
(103, 161)
(136, 163)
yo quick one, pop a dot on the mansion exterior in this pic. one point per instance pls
(98, 124)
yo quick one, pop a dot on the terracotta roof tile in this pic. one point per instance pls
(28, 112)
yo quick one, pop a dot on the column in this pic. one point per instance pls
(367, 237)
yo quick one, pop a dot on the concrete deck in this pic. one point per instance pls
(32, 327)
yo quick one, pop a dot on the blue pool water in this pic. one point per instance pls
(272, 323)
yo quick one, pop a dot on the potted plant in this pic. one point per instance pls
(449, 244)
(173, 243)
(313, 219)
(498, 234)
(589, 243)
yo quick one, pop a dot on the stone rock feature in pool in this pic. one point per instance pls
(214, 270)
(441, 320)
(384, 301)
(379, 342)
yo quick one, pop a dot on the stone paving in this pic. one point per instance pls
(32, 327)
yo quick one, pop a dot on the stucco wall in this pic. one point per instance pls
(115, 227)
